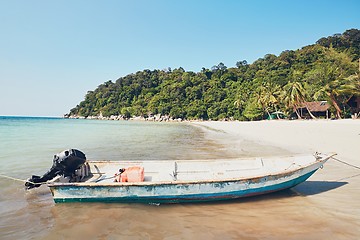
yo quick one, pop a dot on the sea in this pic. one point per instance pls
(27, 146)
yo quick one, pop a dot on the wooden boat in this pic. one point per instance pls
(188, 180)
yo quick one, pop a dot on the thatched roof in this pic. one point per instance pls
(320, 106)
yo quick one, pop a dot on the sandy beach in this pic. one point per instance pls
(333, 193)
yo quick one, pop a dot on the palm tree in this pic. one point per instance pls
(294, 95)
(267, 96)
(353, 84)
(334, 78)
(333, 85)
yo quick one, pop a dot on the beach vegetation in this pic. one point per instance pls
(327, 70)
(293, 96)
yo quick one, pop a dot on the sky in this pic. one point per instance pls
(53, 52)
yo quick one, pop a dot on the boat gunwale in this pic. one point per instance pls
(321, 161)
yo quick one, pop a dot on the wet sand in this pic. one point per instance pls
(328, 204)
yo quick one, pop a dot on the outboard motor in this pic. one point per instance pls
(64, 163)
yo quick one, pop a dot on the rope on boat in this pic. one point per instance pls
(12, 178)
(101, 179)
(28, 181)
(20, 180)
(345, 163)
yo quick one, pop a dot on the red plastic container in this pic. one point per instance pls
(133, 174)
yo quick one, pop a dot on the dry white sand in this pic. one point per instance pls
(334, 191)
(340, 136)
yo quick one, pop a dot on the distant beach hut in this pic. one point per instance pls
(317, 109)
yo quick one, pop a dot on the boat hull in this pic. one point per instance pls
(179, 192)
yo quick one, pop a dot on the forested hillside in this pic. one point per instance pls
(327, 70)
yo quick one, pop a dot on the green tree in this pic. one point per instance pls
(333, 79)
(326, 70)
(294, 95)
(253, 111)
(353, 84)
(267, 96)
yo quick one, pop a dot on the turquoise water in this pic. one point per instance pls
(28, 143)
(27, 146)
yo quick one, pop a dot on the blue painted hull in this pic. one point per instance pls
(180, 192)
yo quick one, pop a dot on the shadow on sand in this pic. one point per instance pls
(307, 188)
(316, 187)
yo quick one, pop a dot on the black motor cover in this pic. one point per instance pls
(64, 163)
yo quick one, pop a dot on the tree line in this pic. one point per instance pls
(327, 70)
